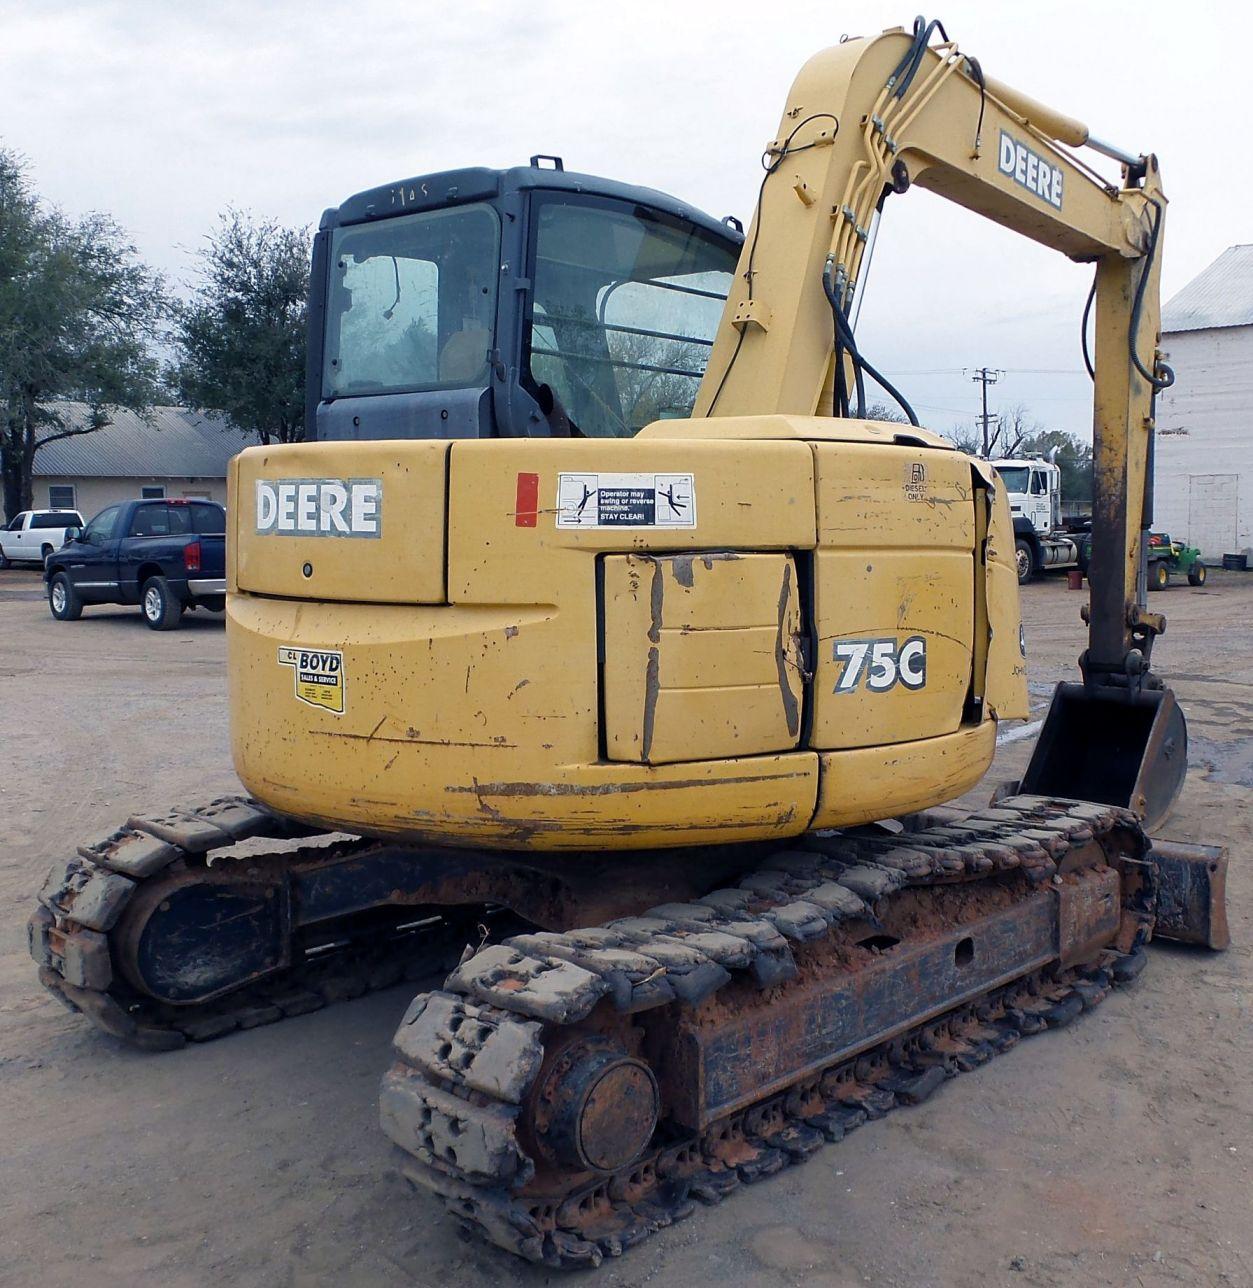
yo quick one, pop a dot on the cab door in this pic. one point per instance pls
(1038, 502)
(92, 559)
(15, 538)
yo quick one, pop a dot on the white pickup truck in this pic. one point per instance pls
(34, 534)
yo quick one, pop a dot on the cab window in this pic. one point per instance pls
(411, 303)
(100, 530)
(624, 309)
(208, 520)
(160, 520)
(1037, 483)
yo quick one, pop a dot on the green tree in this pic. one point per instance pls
(78, 315)
(1072, 456)
(240, 340)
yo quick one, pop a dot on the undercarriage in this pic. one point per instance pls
(183, 927)
(621, 1038)
(567, 1094)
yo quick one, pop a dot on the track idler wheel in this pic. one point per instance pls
(594, 1107)
(189, 937)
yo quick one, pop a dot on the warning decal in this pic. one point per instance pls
(319, 676)
(626, 501)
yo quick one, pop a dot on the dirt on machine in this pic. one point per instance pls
(600, 652)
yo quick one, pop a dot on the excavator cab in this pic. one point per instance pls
(528, 302)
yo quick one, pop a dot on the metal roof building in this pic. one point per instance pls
(173, 452)
(1204, 474)
(1221, 296)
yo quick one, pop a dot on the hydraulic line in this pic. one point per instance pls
(845, 341)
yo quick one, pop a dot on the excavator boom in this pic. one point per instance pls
(866, 120)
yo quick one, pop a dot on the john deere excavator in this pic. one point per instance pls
(601, 630)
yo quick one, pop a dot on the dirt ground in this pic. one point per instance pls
(1117, 1151)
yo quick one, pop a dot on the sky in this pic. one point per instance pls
(164, 113)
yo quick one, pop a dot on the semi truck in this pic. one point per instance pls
(1042, 538)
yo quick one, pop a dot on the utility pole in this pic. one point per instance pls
(986, 376)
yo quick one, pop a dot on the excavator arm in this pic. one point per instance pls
(868, 119)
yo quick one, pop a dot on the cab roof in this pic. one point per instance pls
(477, 183)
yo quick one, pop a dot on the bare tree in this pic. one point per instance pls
(1014, 425)
(884, 411)
(966, 438)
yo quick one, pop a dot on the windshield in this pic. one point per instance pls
(624, 312)
(411, 303)
(1014, 477)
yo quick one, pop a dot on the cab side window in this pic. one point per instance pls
(149, 521)
(1037, 483)
(160, 521)
(100, 530)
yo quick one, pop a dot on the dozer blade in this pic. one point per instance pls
(1191, 885)
(1113, 748)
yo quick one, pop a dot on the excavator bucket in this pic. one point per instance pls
(1121, 749)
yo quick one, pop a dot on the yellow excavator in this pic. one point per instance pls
(600, 629)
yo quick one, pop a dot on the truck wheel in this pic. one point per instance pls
(4, 560)
(1159, 575)
(63, 600)
(1024, 557)
(44, 552)
(1196, 577)
(162, 611)
(214, 603)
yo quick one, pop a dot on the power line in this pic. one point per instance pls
(952, 411)
(1011, 371)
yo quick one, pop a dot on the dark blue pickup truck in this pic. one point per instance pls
(166, 556)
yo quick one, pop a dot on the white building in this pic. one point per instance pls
(1204, 489)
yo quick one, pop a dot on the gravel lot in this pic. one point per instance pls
(1117, 1151)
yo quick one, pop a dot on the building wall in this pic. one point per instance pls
(93, 494)
(1204, 475)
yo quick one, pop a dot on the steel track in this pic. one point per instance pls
(80, 939)
(461, 1098)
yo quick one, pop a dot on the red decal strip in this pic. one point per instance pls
(526, 511)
